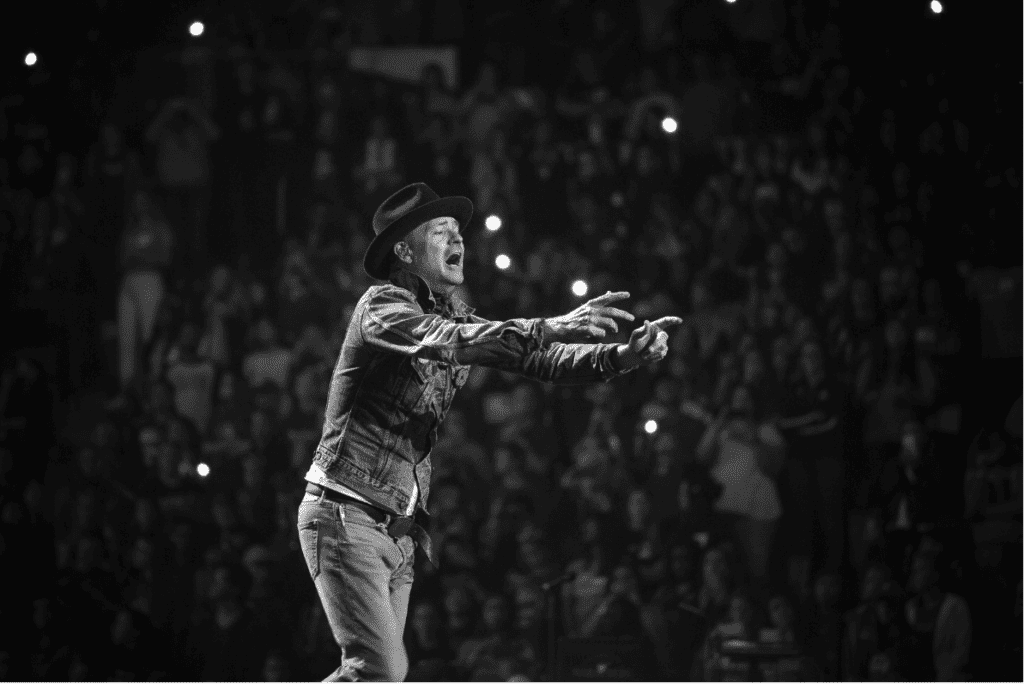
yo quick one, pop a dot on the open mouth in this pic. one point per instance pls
(454, 259)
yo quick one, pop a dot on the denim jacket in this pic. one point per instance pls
(405, 355)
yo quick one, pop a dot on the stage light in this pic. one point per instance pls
(651, 426)
(617, 199)
(579, 288)
(730, 1)
(936, 6)
(669, 125)
(502, 261)
(30, 59)
(203, 470)
(492, 223)
(196, 29)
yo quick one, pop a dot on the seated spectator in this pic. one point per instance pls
(872, 626)
(221, 646)
(737, 626)
(496, 640)
(824, 625)
(462, 615)
(269, 360)
(747, 492)
(192, 378)
(226, 307)
(939, 622)
(145, 257)
(426, 641)
(483, 108)
(378, 172)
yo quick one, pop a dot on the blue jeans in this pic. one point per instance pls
(363, 577)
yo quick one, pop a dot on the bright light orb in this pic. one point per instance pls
(203, 470)
(30, 59)
(669, 125)
(936, 6)
(651, 426)
(196, 29)
(492, 223)
(502, 261)
(579, 288)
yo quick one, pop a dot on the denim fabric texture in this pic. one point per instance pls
(363, 577)
(405, 355)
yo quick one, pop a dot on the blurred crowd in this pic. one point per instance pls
(796, 473)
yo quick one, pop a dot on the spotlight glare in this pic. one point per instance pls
(492, 223)
(203, 470)
(669, 125)
(502, 261)
(730, 1)
(196, 29)
(651, 426)
(30, 59)
(579, 288)
(936, 6)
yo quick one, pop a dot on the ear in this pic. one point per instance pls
(403, 252)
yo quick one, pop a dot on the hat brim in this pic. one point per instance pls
(459, 208)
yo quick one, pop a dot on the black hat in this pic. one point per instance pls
(399, 214)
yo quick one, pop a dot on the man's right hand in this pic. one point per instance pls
(590, 321)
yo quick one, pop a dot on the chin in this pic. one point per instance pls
(454, 277)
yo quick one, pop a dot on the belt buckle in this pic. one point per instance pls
(400, 527)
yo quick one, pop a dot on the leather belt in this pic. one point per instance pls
(398, 526)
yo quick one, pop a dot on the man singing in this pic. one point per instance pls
(407, 350)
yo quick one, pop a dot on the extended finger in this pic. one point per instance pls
(666, 322)
(645, 334)
(608, 297)
(606, 323)
(594, 331)
(617, 313)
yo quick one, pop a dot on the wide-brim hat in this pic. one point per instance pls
(401, 213)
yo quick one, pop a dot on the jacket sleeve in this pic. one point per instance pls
(568, 364)
(393, 321)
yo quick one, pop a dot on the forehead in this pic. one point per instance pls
(441, 222)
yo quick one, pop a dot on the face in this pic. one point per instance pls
(434, 251)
